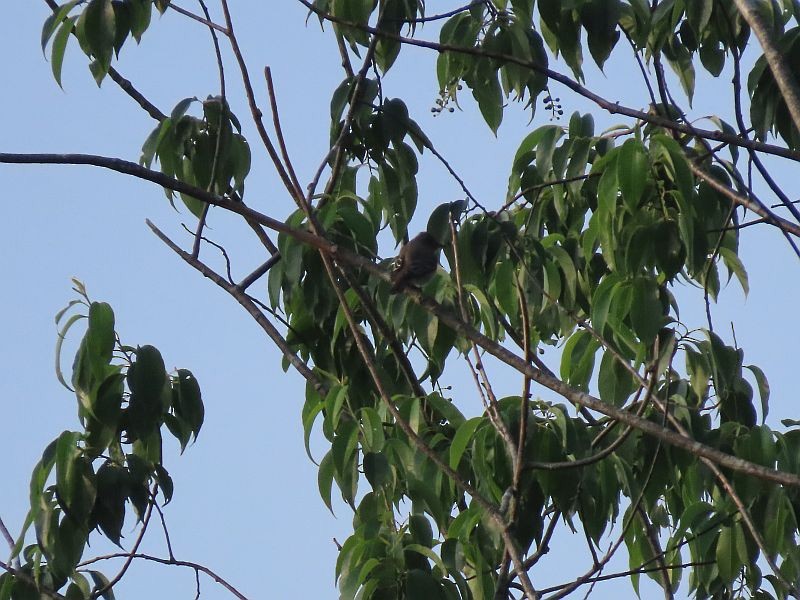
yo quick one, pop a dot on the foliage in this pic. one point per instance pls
(125, 397)
(669, 452)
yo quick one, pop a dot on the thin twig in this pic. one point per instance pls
(336, 151)
(145, 522)
(223, 115)
(248, 305)
(166, 531)
(207, 21)
(171, 561)
(6, 534)
(255, 111)
(276, 122)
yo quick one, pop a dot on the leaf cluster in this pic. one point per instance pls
(86, 479)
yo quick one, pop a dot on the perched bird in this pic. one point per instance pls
(416, 262)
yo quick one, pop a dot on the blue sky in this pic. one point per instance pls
(246, 501)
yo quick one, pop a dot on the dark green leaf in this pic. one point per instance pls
(100, 31)
(614, 382)
(763, 389)
(377, 470)
(647, 312)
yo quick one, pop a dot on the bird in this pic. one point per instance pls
(416, 262)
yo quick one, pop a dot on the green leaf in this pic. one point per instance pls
(6, 585)
(647, 313)
(698, 13)
(577, 360)
(461, 440)
(55, 20)
(676, 160)
(632, 171)
(374, 437)
(101, 581)
(439, 222)
(601, 302)
(147, 379)
(614, 382)
(100, 337)
(59, 47)
(489, 95)
(141, 11)
(112, 492)
(377, 470)
(75, 480)
(680, 60)
(325, 479)
(59, 343)
(763, 389)
(446, 409)
(735, 266)
(187, 400)
(731, 552)
(100, 31)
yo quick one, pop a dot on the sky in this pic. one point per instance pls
(246, 501)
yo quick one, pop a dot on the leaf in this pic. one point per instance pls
(632, 171)
(489, 95)
(101, 583)
(614, 382)
(728, 552)
(141, 11)
(100, 31)
(377, 470)
(188, 401)
(55, 20)
(439, 223)
(577, 360)
(446, 409)
(601, 302)
(100, 337)
(75, 481)
(59, 47)
(681, 63)
(461, 440)
(647, 313)
(59, 343)
(146, 379)
(676, 160)
(763, 389)
(735, 267)
(325, 479)
(698, 13)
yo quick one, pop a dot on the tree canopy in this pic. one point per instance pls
(545, 380)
